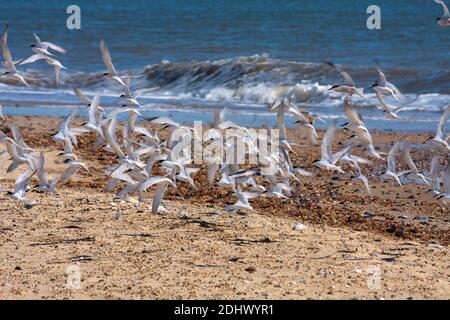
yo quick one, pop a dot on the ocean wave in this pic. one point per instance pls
(257, 79)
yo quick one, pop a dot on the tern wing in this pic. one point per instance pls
(111, 138)
(33, 58)
(158, 196)
(163, 121)
(38, 41)
(352, 114)
(381, 100)
(300, 117)
(6, 53)
(446, 12)
(68, 147)
(311, 135)
(154, 180)
(406, 148)
(434, 169)
(72, 170)
(366, 183)
(243, 197)
(441, 126)
(120, 175)
(128, 142)
(227, 124)
(17, 137)
(397, 93)
(53, 46)
(338, 155)
(107, 58)
(446, 181)
(212, 169)
(391, 156)
(382, 77)
(127, 82)
(40, 170)
(327, 142)
(22, 180)
(348, 79)
(64, 127)
(303, 172)
(219, 116)
(57, 74)
(93, 109)
(82, 97)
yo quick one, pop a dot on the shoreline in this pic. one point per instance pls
(206, 116)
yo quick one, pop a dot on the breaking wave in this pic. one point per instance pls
(257, 79)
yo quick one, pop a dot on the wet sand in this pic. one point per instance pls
(391, 245)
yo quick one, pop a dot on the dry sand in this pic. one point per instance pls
(353, 246)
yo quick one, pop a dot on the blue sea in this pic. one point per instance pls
(189, 57)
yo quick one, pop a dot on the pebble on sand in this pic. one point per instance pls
(299, 226)
(119, 215)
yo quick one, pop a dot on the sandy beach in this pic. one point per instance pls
(393, 245)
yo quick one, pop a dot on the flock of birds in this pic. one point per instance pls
(144, 159)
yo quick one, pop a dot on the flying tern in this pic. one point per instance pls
(8, 61)
(348, 86)
(443, 21)
(329, 159)
(112, 73)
